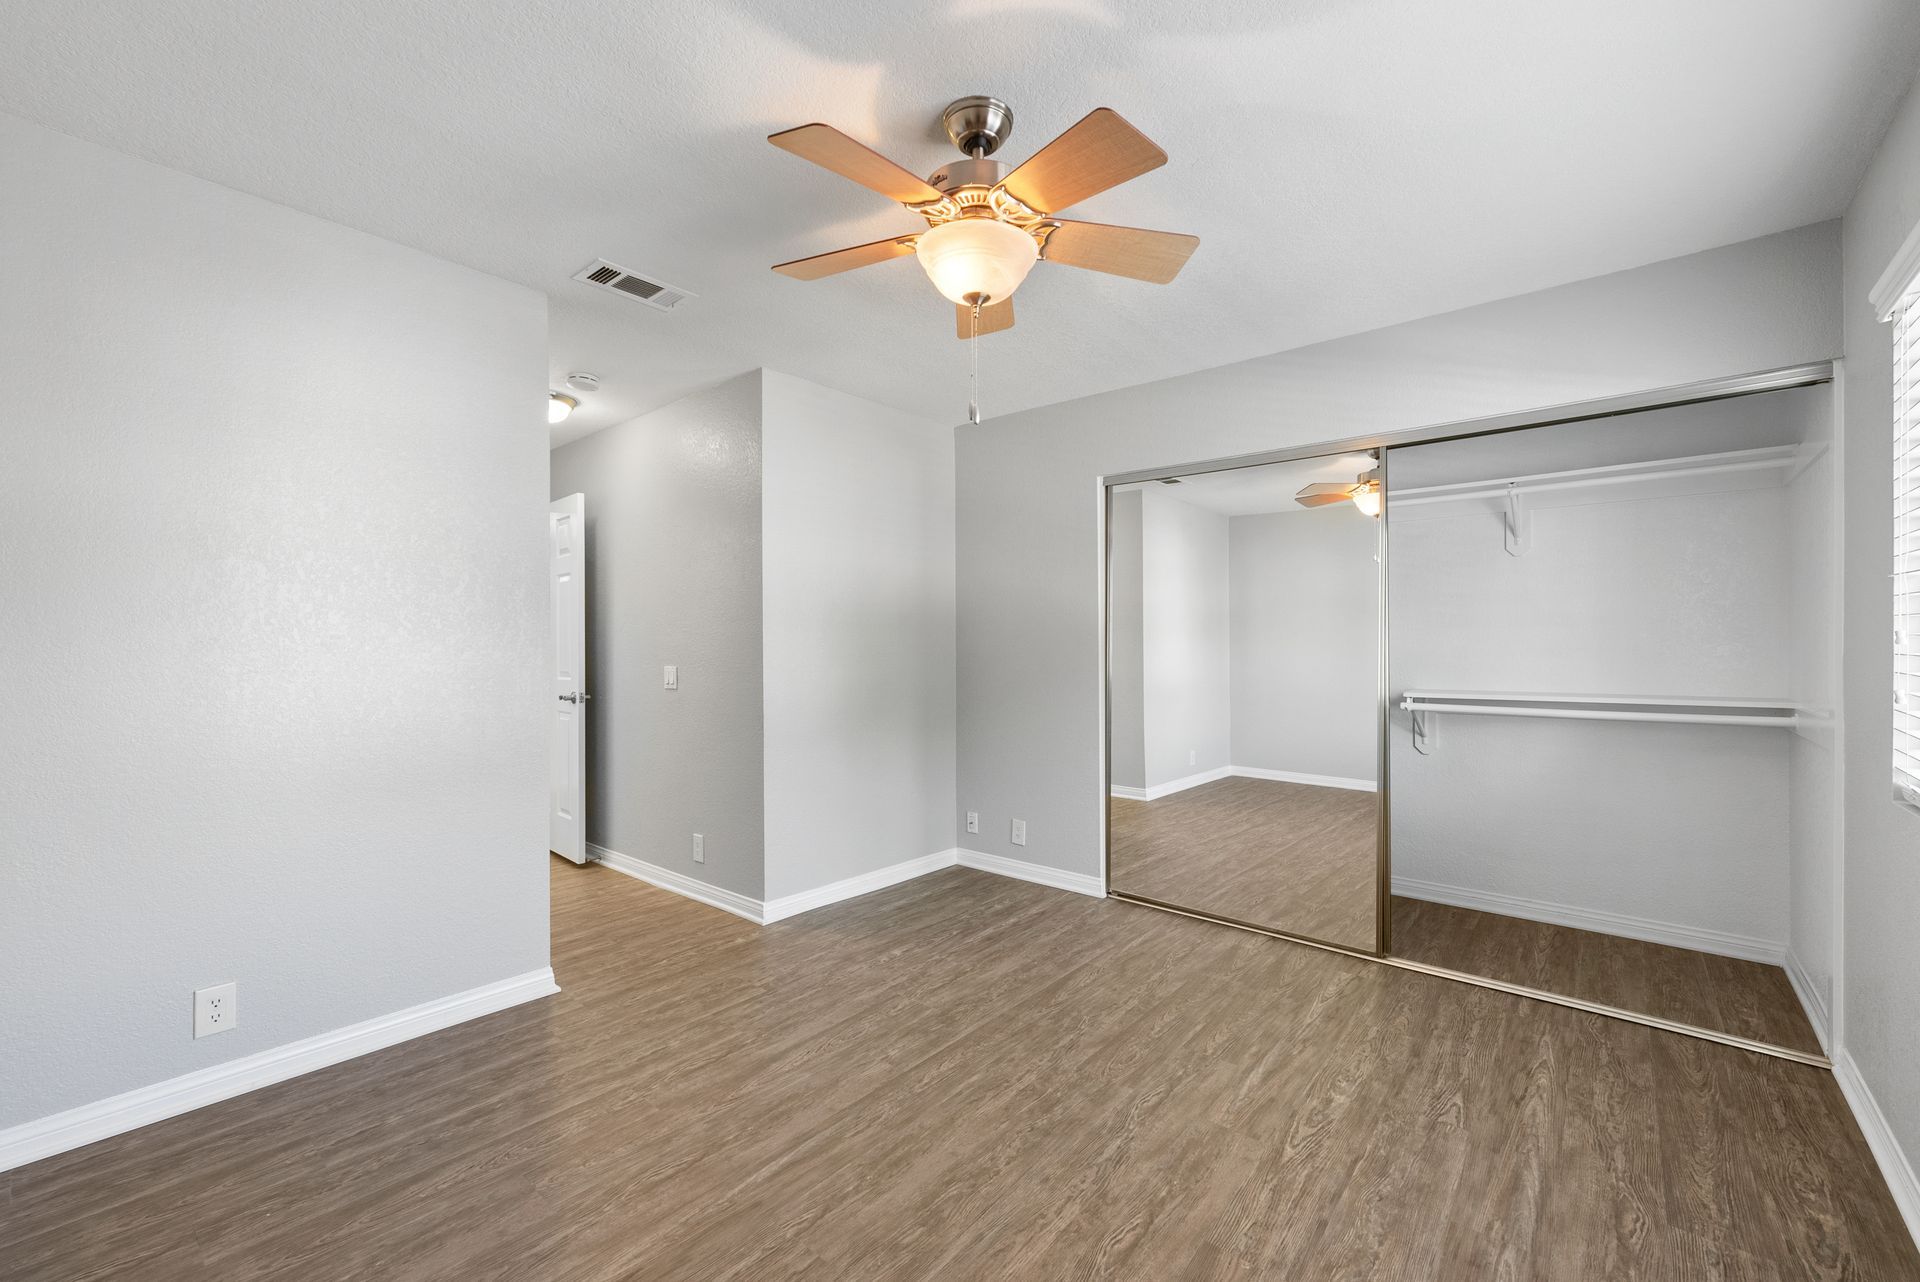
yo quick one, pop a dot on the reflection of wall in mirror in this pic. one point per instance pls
(1184, 656)
(1125, 670)
(1305, 643)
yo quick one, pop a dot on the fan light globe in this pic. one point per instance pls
(977, 258)
(1367, 498)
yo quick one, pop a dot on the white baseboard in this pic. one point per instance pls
(31, 1141)
(680, 884)
(1811, 999)
(1312, 781)
(867, 882)
(1172, 786)
(1899, 1173)
(1745, 947)
(1039, 874)
(764, 912)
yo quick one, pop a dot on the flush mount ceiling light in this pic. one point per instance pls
(559, 405)
(987, 224)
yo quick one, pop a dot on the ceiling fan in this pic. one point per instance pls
(1363, 493)
(988, 224)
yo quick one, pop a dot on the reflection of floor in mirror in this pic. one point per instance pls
(1747, 999)
(1283, 855)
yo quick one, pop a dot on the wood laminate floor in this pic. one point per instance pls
(1286, 856)
(967, 1077)
(1747, 999)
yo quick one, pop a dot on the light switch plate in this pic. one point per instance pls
(673, 676)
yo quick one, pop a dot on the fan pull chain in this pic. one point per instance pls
(973, 378)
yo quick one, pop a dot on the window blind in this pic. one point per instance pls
(1906, 548)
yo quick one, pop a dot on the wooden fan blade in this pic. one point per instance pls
(993, 319)
(845, 260)
(828, 148)
(1155, 256)
(1101, 151)
(1323, 494)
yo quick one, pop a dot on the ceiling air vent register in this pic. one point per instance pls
(655, 294)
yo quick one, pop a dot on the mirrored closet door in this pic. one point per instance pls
(1611, 734)
(1245, 696)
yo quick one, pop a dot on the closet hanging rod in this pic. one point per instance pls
(1422, 705)
(1640, 700)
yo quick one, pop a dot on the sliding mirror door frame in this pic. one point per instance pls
(1384, 443)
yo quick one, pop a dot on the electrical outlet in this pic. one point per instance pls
(699, 849)
(1019, 832)
(1193, 756)
(973, 821)
(673, 676)
(215, 1009)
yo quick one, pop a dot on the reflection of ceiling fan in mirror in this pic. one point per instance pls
(1364, 493)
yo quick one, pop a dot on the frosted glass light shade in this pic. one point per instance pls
(1367, 498)
(976, 256)
(559, 405)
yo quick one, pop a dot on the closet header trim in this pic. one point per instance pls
(1712, 389)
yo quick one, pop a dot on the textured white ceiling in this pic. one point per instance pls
(1346, 163)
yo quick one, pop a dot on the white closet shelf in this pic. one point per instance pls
(1515, 498)
(1422, 704)
(1698, 473)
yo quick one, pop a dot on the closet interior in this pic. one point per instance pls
(1549, 707)
(1612, 737)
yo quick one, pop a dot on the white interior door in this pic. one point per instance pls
(567, 753)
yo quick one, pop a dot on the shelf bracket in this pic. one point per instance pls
(1425, 729)
(1519, 522)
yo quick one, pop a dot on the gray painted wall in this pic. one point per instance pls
(1880, 1020)
(276, 624)
(857, 591)
(673, 576)
(1305, 587)
(1128, 664)
(1029, 495)
(1186, 697)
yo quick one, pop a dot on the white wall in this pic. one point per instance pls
(1127, 663)
(1029, 497)
(673, 577)
(1680, 827)
(857, 591)
(1186, 697)
(1305, 587)
(271, 498)
(1880, 1015)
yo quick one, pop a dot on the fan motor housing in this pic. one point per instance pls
(967, 173)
